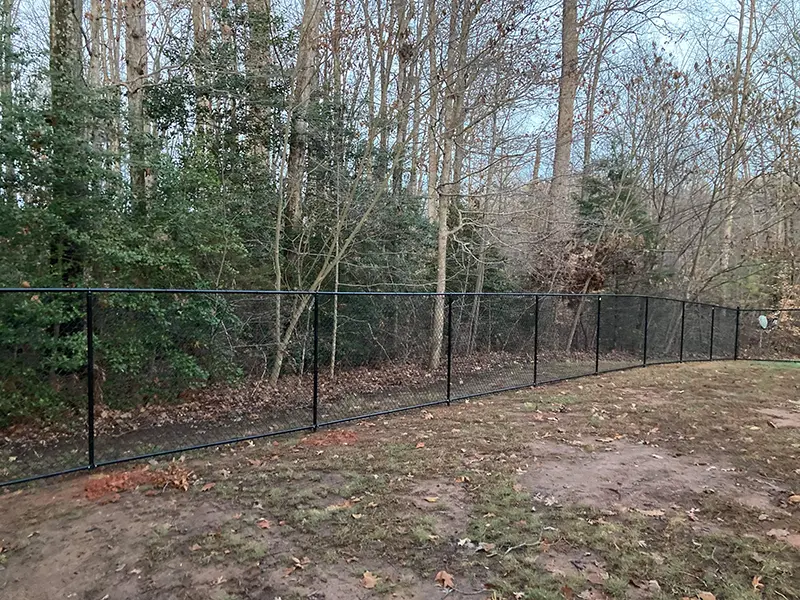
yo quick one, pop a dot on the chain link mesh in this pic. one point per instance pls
(43, 383)
(176, 370)
(375, 353)
(494, 337)
(769, 335)
(621, 332)
(179, 370)
(663, 330)
(697, 332)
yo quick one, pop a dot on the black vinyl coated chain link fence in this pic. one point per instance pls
(95, 377)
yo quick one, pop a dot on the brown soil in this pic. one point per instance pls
(659, 483)
(782, 418)
(626, 475)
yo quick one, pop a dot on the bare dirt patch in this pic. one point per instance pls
(782, 418)
(94, 548)
(444, 503)
(667, 475)
(623, 474)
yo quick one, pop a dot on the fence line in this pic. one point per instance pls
(141, 345)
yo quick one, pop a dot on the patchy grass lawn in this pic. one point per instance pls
(667, 482)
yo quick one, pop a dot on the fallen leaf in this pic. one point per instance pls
(444, 579)
(431, 498)
(209, 486)
(485, 546)
(194, 548)
(368, 580)
(706, 596)
(264, 524)
(462, 479)
(757, 585)
(356, 516)
(297, 564)
(567, 592)
(134, 571)
(421, 445)
(794, 499)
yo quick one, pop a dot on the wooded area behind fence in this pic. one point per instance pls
(93, 377)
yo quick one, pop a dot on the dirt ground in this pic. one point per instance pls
(677, 481)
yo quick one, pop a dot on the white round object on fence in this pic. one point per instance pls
(763, 321)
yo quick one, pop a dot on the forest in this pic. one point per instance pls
(614, 146)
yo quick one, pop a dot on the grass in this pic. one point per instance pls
(349, 509)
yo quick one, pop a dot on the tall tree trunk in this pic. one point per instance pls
(6, 76)
(433, 114)
(200, 32)
(452, 158)
(415, 174)
(567, 88)
(67, 93)
(484, 242)
(591, 99)
(302, 86)
(406, 57)
(136, 73)
(96, 44)
(537, 159)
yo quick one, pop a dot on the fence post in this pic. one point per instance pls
(597, 338)
(646, 319)
(449, 344)
(315, 402)
(711, 342)
(736, 336)
(536, 340)
(683, 326)
(90, 374)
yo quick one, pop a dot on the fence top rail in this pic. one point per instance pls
(255, 292)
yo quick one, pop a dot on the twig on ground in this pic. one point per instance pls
(463, 593)
(523, 545)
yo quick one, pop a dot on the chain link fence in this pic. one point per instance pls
(97, 377)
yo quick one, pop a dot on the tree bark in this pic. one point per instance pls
(136, 73)
(67, 91)
(567, 88)
(406, 52)
(302, 86)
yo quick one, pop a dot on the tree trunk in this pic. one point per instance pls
(433, 114)
(537, 160)
(567, 88)
(304, 75)
(591, 94)
(452, 159)
(406, 57)
(200, 32)
(483, 243)
(136, 73)
(68, 190)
